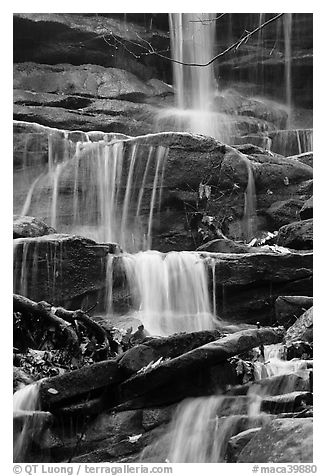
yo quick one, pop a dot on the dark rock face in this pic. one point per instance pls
(306, 211)
(25, 226)
(258, 69)
(285, 440)
(289, 308)
(61, 269)
(86, 38)
(284, 212)
(297, 235)
(302, 329)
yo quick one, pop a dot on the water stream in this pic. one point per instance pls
(25, 404)
(170, 291)
(201, 427)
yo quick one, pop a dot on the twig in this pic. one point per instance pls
(235, 45)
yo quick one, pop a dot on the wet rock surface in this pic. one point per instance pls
(59, 268)
(289, 308)
(302, 329)
(297, 235)
(282, 441)
(25, 226)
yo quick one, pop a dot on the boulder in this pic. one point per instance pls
(60, 269)
(225, 246)
(287, 440)
(297, 235)
(299, 350)
(305, 158)
(25, 226)
(238, 442)
(284, 212)
(84, 80)
(307, 209)
(289, 308)
(153, 417)
(302, 329)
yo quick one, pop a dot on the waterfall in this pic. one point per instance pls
(249, 221)
(106, 191)
(275, 363)
(193, 39)
(25, 402)
(201, 427)
(287, 24)
(169, 292)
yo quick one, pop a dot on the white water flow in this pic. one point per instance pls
(201, 427)
(26, 401)
(193, 36)
(275, 364)
(287, 26)
(104, 191)
(169, 292)
(249, 221)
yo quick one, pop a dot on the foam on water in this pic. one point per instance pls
(169, 292)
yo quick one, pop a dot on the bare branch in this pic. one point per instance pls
(203, 20)
(149, 50)
(223, 53)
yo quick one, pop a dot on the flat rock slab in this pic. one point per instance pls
(285, 440)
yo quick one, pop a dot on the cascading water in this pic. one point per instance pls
(201, 427)
(170, 291)
(249, 221)
(101, 191)
(25, 400)
(193, 39)
(287, 23)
